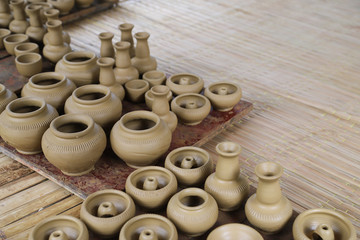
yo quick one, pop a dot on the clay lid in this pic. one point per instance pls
(234, 231)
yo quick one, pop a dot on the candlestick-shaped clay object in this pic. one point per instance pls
(36, 30)
(142, 60)
(123, 70)
(19, 24)
(126, 36)
(106, 47)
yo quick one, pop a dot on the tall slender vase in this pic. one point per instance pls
(106, 47)
(126, 36)
(19, 24)
(142, 60)
(53, 14)
(36, 30)
(5, 14)
(123, 70)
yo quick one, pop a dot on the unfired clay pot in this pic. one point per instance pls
(64, 6)
(106, 47)
(62, 227)
(36, 30)
(151, 187)
(23, 123)
(12, 40)
(234, 231)
(106, 211)
(126, 36)
(44, 6)
(26, 47)
(53, 14)
(191, 165)
(6, 96)
(19, 24)
(149, 98)
(142, 61)
(5, 14)
(268, 209)
(29, 64)
(136, 89)
(140, 138)
(3, 33)
(185, 83)
(154, 77)
(83, 3)
(193, 211)
(223, 95)
(123, 70)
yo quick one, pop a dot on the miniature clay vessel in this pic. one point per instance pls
(62, 227)
(126, 36)
(98, 102)
(29, 64)
(53, 14)
(149, 98)
(6, 96)
(268, 209)
(14, 39)
(23, 123)
(234, 231)
(44, 6)
(83, 3)
(193, 211)
(36, 30)
(136, 89)
(64, 6)
(140, 138)
(27, 47)
(323, 224)
(106, 47)
(106, 211)
(19, 24)
(151, 187)
(53, 87)
(161, 107)
(142, 61)
(191, 108)
(191, 165)
(148, 227)
(5, 14)
(123, 70)
(226, 185)
(79, 67)
(185, 83)
(154, 77)
(223, 95)
(107, 76)
(3, 34)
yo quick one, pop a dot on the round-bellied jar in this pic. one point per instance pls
(6, 96)
(182, 83)
(223, 95)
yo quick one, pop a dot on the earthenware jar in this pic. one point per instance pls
(98, 102)
(64, 6)
(193, 211)
(56, 48)
(106, 47)
(123, 70)
(36, 30)
(23, 123)
(5, 14)
(182, 83)
(6, 96)
(126, 36)
(83, 3)
(234, 231)
(53, 14)
(19, 24)
(27, 47)
(149, 98)
(80, 67)
(154, 77)
(44, 6)
(268, 209)
(226, 185)
(323, 224)
(140, 138)
(142, 61)
(223, 95)
(191, 165)
(53, 87)
(106, 211)
(151, 187)
(191, 108)
(136, 89)
(3, 33)
(14, 39)
(107, 76)
(29, 64)
(62, 227)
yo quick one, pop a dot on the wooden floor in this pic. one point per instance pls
(297, 61)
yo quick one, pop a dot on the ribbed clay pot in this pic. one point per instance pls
(5, 14)
(36, 30)
(182, 83)
(53, 14)
(154, 77)
(126, 36)
(149, 98)
(19, 24)
(23, 123)
(64, 6)
(136, 89)
(27, 47)
(3, 34)
(234, 231)
(193, 211)
(29, 64)
(14, 39)
(151, 187)
(106, 47)
(6, 96)
(142, 61)
(223, 95)
(140, 138)
(123, 70)
(106, 211)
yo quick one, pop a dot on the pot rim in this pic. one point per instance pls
(139, 114)
(47, 75)
(78, 54)
(172, 78)
(91, 88)
(23, 102)
(188, 192)
(269, 171)
(160, 90)
(222, 149)
(126, 26)
(106, 35)
(35, 57)
(122, 45)
(72, 118)
(105, 62)
(21, 38)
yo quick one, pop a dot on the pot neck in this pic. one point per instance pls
(122, 55)
(140, 115)
(126, 35)
(18, 10)
(184, 199)
(142, 47)
(228, 167)
(41, 77)
(148, 234)
(72, 126)
(106, 76)
(268, 191)
(4, 6)
(33, 12)
(55, 31)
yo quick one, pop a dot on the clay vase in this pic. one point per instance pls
(53, 14)
(226, 185)
(126, 36)
(268, 209)
(29, 64)
(80, 67)
(223, 95)
(23, 123)
(148, 227)
(190, 165)
(62, 227)
(36, 30)
(27, 47)
(136, 89)
(151, 187)
(154, 77)
(3, 34)
(6, 96)
(96, 101)
(14, 39)
(185, 83)
(107, 76)
(5, 14)
(123, 70)
(193, 211)
(64, 6)
(234, 231)
(142, 61)
(149, 98)
(106, 211)
(44, 6)
(53, 87)
(191, 108)
(19, 24)
(106, 47)
(140, 138)
(56, 47)
(83, 3)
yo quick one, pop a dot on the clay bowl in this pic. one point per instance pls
(4, 32)
(29, 64)
(14, 39)
(234, 231)
(223, 95)
(154, 77)
(149, 98)
(27, 47)
(185, 83)
(136, 89)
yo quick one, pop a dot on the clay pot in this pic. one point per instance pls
(98, 102)
(27, 47)
(12, 40)
(3, 33)
(191, 108)
(148, 227)
(136, 90)
(19, 24)
(193, 211)
(123, 70)
(44, 6)
(191, 165)
(223, 95)
(23, 123)
(106, 211)
(234, 231)
(83, 3)
(151, 187)
(126, 36)
(149, 98)
(6, 96)
(5, 14)
(140, 138)
(226, 185)
(64, 6)
(268, 209)
(53, 14)
(142, 61)
(53, 87)
(106, 47)
(29, 64)
(182, 83)
(60, 227)
(36, 30)
(154, 77)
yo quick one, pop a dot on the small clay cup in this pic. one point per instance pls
(27, 47)
(136, 90)
(149, 98)
(29, 64)
(4, 32)
(154, 77)
(234, 231)
(14, 39)
(185, 83)
(223, 95)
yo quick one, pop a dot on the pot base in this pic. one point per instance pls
(224, 109)
(192, 123)
(80, 173)
(28, 152)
